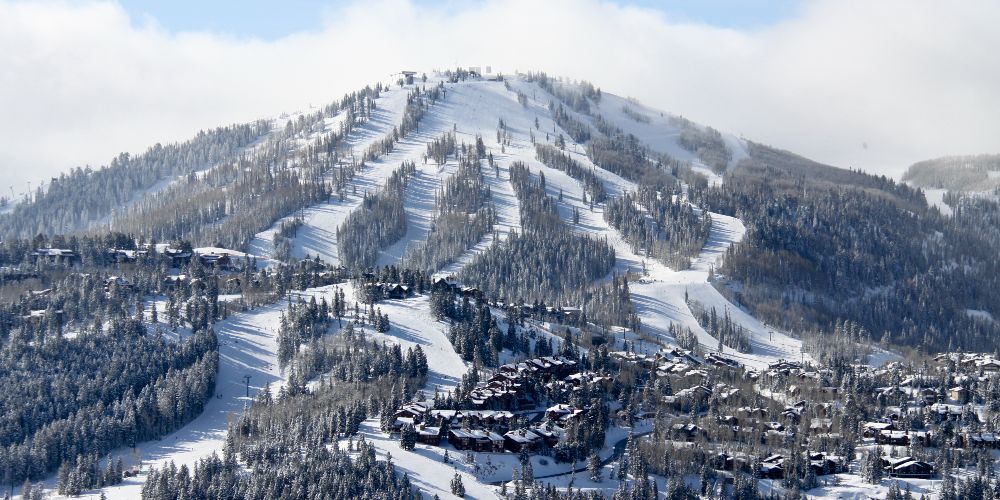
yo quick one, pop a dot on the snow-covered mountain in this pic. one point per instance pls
(471, 221)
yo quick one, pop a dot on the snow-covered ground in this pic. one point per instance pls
(247, 347)
(427, 470)
(935, 198)
(659, 296)
(247, 340)
(412, 325)
(317, 235)
(419, 203)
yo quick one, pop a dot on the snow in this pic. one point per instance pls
(412, 324)
(979, 314)
(851, 486)
(317, 235)
(661, 134)
(419, 205)
(247, 346)
(659, 296)
(935, 198)
(247, 340)
(881, 356)
(425, 465)
(428, 472)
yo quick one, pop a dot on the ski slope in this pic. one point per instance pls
(412, 324)
(659, 296)
(317, 236)
(247, 347)
(248, 340)
(661, 134)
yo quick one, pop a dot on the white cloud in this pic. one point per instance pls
(80, 82)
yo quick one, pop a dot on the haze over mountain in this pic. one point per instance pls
(956, 173)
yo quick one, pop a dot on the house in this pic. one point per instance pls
(497, 442)
(792, 414)
(718, 360)
(909, 467)
(895, 438)
(220, 260)
(823, 464)
(56, 255)
(724, 461)
(448, 284)
(550, 434)
(482, 441)
(686, 432)
(116, 282)
(461, 439)
(429, 435)
(928, 394)
(397, 291)
(946, 412)
(872, 429)
(783, 367)
(487, 418)
(990, 366)
(400, 422)
(122, 256)
(987, 440)
(820, 425)
(958, 395)
(559, 411)
(441, 417)
(772, 467)
(774, 426)
(729, 420)
(522, 440)
(772, 471)
(751, 413)
(415, 411)
(176, 257)
(572, 315)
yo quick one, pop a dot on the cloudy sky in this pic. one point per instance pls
(871, 85)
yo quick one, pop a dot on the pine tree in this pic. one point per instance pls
(594, 466)
(457, 488)
(408, 437)
(871, 466)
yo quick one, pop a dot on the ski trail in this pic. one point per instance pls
(247, 347)
(418, 203)
(318, 234)
(659, 296)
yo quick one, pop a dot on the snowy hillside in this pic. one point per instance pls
(472, 171)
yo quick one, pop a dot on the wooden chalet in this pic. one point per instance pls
(430, 435)
(476, 440)
(908, 467)
(176, 257)
(686, 432)
(56, 256)
(772, 467)
(985, 440)
(522, 439)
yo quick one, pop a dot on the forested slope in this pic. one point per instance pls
(825, 243)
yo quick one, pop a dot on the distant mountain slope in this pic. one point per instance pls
(956, 173)
(86, 196)
(826, 244)
(821, 243)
